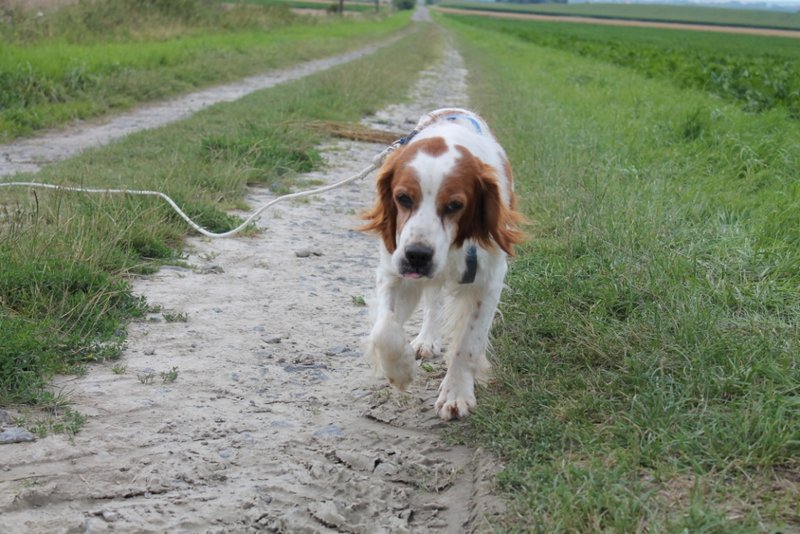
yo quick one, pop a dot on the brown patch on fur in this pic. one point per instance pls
(386, 218)
(432, 146)
(406, 182)
(485, 218)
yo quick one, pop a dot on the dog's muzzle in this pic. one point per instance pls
(417, 262)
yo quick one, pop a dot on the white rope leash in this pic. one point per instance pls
(376, 162)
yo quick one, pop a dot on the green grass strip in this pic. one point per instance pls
(647, 355)
(331, 6)
(54, 80)
(64, 258)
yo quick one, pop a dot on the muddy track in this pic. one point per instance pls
(275, 422)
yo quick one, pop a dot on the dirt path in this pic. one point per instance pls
(274, 422)
(622, 22)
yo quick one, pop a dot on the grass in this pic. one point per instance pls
(63, 420)
(176, 317)
(146, 377)
(646, 360)
(65, 259)
(85, 60)
(56, 311)
(748, 18)
(331, 6)
(168, 377)
(758, 72)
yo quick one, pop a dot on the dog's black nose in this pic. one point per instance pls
(419, 256)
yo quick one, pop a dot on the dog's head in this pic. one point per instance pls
(433, 195)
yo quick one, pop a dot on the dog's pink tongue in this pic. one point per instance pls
(412, 275)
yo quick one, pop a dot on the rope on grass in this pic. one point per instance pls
(376, 162)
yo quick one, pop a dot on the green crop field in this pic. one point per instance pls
(758, 72)
(748, 18)
(647, 356)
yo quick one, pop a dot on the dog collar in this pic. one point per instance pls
(477, 125)
(472, 265)
(407, 139)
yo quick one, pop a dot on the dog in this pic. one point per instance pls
(446, 214)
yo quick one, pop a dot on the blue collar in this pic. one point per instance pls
(474, 122)
(407, 139)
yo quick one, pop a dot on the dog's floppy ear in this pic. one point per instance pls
(382, 218)
(494, 218)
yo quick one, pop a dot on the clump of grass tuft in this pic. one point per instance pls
(176, 317)
(168, 377)
(54, 314)
(146, 377)
(55, 418)
(269, 151)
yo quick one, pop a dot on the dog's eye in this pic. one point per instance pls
(404, 200)
(453, 207)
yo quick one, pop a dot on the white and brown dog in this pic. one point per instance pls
(445, 211)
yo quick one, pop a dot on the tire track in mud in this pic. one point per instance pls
(275, 422)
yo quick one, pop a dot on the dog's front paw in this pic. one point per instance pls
(400, 371)
(391, 355)
(456, 398)
(426, 350)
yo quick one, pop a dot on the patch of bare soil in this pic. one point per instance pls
(623, 22)
(275, 421)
